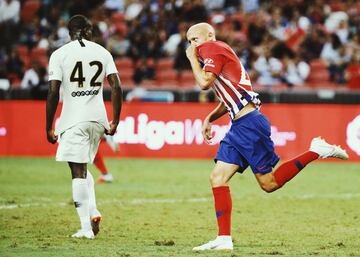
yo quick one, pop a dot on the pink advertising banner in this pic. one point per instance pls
(161, 130)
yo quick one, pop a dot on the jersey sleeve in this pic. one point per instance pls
(55, 71)
(110, 65)
(212, 58)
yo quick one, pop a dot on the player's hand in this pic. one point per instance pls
(191, 52)
(51, 138)
(206, 131)
(112, 130)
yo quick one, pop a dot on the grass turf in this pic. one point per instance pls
(164, 208)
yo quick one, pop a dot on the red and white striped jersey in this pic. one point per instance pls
(233, 85)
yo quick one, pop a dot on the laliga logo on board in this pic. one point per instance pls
(155, 134)
(353, 135)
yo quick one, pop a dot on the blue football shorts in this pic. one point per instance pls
(248, 143)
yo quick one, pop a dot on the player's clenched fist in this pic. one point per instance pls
(191, 52)
(112, 130)
(51, 136)
(206, 131)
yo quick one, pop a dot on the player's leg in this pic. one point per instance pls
(228, 162)
(95, 215)
(80, 192)
(74, 149)
(219, 179)
(96, 132)
(106, 176)
(319, 148)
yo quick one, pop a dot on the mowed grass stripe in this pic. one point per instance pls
(149, 205)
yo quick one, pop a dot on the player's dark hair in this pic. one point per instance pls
(77, 25)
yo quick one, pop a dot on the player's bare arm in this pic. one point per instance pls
(218, 112)
(51, 105)
(116, 100)
(204, 79)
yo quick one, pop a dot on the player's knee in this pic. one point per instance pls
(268, 187)
(267, 182)
(217, 179)
(77, 170)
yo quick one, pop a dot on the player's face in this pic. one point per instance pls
(196, 39)
(88, 31)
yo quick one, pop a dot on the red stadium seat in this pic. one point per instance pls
(187, 79)
(124, 64)
(167, 78)
(43, 60)
(317, 64)
(38, 52)
(319, 74)
(26, 60)
(165, 64)
(125, 74)
(29, 9)
(22, 50)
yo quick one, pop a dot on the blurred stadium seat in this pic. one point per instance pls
(167, 78)
(29, 10)
(165, 64)
(124, 63)
(187, 79)
(319, 74)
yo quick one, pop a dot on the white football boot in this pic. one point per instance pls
(108, 178)
(325, 150)
(220, 243)
(84, 234)
(111, 142)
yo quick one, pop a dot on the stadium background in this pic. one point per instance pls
(160, 203)
(297, 52)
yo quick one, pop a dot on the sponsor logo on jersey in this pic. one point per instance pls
(209, 62)
(84, 93)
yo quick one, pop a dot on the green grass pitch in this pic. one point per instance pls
(164, 208)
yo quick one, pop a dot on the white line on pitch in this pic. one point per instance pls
(130, 202)
(142, 201)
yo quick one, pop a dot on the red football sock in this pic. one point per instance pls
(223, 206)
(99, 163)
(289, 169)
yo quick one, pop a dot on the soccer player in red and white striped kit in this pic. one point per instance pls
(248, 142)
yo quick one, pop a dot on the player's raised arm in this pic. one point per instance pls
(197, 35)
(204, 79)
(116, 100)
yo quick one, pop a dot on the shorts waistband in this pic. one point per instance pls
(247, 116)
